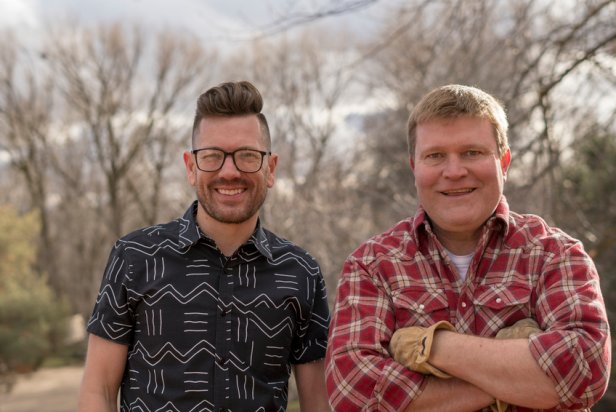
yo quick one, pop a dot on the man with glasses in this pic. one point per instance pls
(210, 312)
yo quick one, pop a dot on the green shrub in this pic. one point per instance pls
(31, 317)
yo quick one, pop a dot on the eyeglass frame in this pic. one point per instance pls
(232, 154)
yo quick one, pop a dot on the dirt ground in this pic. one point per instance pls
(49, 390)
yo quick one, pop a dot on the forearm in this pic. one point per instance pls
(96, 402)
(315, 403)
(503, 368)
(445, 395)
(310, 380)
(102, 375)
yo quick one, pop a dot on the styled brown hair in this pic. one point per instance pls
(232, 99)
(454, 100)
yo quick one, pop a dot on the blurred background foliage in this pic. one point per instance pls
(32, 320)
(94, 120)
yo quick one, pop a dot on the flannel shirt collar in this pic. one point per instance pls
(497, 222)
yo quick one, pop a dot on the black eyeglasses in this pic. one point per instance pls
(211, 159)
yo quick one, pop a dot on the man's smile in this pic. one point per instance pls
(230, 192)
(458, 192)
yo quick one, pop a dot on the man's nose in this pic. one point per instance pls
(228, 166)
(454, 167)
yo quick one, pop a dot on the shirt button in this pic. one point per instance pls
(421, 306)
(498, 300)
(463, 304)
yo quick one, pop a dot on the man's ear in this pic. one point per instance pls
(272, 162)
(191, 172)
(505, 161)
(412, 163)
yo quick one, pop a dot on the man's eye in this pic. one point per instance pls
(210, 157)
(434, 156)
(472, 153)
(249, 156)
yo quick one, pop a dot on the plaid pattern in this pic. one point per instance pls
(521, 268)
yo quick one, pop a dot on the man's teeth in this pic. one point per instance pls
(230, 192)
(455, 192)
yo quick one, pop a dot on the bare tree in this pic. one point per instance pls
(527, 53)
(95, 143)
(291, 15)
(305, 94)
(26, 115)
(121, 110)
(127, 98)
(551, 91)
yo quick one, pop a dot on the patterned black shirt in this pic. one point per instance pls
(206, 332)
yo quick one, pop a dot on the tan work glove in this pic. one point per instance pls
(522, 329)
(499, 406)
(411, 347)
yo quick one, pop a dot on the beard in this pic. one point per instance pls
(232, 214)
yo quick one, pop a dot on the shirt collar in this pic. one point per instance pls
(260, 241)
(190, 233)
(498, 221)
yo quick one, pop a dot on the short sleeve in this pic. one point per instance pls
(111, 317)
(310, 342)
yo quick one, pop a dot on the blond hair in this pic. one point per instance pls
(454, 100)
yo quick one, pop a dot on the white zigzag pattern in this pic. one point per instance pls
(247, 308)
(140, 405)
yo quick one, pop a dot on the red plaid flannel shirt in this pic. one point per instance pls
(521, 268)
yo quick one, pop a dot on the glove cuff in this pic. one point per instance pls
(427, 339)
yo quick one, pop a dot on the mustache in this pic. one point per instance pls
(223, 181)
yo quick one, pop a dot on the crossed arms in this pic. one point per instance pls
(566, 365)
(484, 369)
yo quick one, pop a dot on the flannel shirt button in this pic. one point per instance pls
(421, 306)
(498, 300)
(463, 304)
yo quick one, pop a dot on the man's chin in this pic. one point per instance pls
(231, 220)
(229, 217)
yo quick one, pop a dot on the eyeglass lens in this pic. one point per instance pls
(246, 160)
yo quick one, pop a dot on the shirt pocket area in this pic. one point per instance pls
(419, 306)
(503, 305)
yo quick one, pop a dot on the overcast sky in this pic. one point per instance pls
(219, 21)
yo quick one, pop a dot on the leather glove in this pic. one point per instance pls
(411, 347)
(522, 329)
(499, 406)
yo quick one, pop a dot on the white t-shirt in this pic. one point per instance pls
(461, 262)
